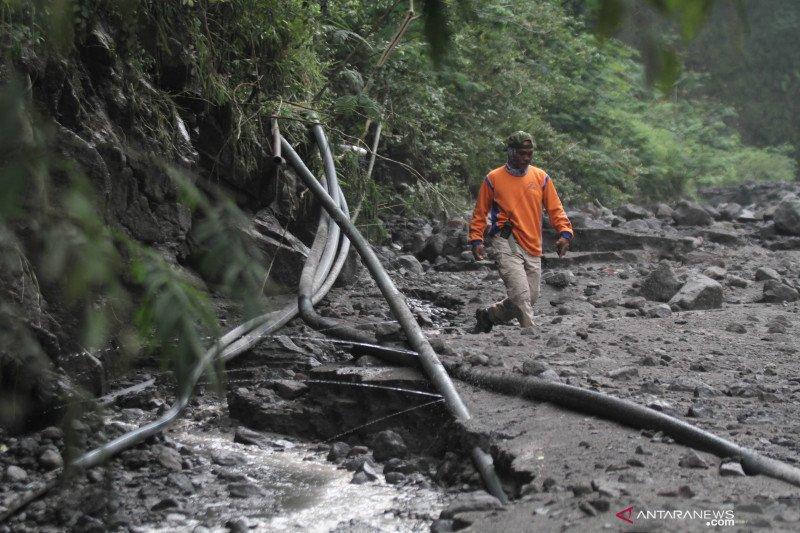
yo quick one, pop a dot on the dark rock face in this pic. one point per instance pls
(661, 284)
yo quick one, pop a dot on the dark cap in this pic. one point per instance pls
(520, 139)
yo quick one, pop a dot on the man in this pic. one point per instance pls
(513, 196)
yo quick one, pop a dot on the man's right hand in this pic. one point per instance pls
(478, 251)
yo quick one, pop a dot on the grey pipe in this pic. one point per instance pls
(305, 306)
(333, 190)
(430, 362)
(276, 142)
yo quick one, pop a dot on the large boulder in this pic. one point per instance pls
(787, 216)
(632, 212)
(661, 284)
(699, 292)
(775, 291)
(688, 213)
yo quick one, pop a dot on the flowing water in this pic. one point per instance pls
(293, 488)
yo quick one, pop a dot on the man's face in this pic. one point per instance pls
(522, 157)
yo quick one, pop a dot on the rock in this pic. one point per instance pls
(181, 482)
(395, 478)
(244, 489)
(699, 292)
(136, 458)
(53, 433)
(688, 213)
(663, 211)
(623, 373)
(359, 478)
(644, 225)
(581, 489)
(659, 311)
(478, 359)
(729, 211)
(555, 342)
(533, 367)
(775, 291)
(237, 525)
(244, 435)
(661, 284)
(736, 281)
(165, 503)
(226, 459)
(442, 526)
(560, 279)
(338, 451)
(169, 458)
(15, 473)
(587, 508)
(731, 469)
(411, 263)
(87, 370)
(550, 375)
(662, 406)
(635, 303)
(632, 212)
(692, 460)
(289, 389)
(433, 247)
(369, 361)
(715, 272)
(367, 471)
(388, 444)
(606, 488)
(735, 327)
(787, 216)
(471, 501)
(358, 450)
(51, 459)
(765, 273)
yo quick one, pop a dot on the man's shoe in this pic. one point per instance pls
(483, 324)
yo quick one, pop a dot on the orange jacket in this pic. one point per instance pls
(504, 196)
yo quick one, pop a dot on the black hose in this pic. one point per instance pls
(598, 404)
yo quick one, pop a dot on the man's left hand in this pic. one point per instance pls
(562, 245)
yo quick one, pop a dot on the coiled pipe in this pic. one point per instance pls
(430, 362)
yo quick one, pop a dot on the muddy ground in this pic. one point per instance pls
(730, 367)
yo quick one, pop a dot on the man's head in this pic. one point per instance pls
(520, 149)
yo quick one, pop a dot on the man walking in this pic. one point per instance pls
(513, 197)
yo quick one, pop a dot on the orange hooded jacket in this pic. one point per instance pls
(504, 196)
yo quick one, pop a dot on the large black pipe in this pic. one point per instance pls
(601, 405)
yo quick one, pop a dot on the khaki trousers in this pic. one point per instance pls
(521, 273)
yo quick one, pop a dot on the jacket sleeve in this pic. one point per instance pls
(558, 218)
(482, 205)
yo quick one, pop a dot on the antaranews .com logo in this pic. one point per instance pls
(711, 517)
